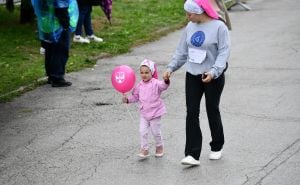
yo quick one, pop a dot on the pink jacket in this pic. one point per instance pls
(147, 94)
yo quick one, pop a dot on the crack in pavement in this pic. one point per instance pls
(273, 164)
(71, 137)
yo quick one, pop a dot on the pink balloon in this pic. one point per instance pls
(123, 78)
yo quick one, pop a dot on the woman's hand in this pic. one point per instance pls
(207, 77)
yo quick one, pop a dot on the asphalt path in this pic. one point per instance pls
(84, 135)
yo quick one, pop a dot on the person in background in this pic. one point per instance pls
(204, 47)
(147, 94)
(56, 20)
(85, 20)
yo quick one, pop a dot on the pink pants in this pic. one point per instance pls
(153, 126)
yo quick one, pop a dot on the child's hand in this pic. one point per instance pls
(124, 99)
(167, 81)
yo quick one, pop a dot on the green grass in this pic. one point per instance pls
(134, 22)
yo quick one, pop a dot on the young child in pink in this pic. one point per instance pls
(151, 107)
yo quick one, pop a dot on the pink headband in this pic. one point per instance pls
(207, 7)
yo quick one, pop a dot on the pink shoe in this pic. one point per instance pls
(159, 151)
(143, 154)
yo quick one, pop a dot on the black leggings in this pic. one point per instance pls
(194, 90)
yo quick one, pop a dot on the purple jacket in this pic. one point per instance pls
(147, 94)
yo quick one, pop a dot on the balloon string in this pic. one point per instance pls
(129, 112)
(124, 95)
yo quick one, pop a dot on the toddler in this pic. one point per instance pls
(151, 107)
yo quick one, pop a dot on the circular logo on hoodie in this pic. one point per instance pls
(198, 38)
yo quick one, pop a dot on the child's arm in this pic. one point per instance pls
(132, 98)
(163, 85)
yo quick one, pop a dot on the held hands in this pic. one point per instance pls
(124, 98)
(167, 81)
(167, 75)
(206, 77)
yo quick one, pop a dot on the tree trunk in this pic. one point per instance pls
(26, 14)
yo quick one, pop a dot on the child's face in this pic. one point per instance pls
(145, 73)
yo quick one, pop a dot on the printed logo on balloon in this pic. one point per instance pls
(120, 77)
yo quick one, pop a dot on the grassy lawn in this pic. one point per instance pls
(134, 22)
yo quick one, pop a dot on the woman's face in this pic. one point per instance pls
(145, 73)
(192, 17)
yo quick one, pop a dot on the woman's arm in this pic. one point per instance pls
(180, 56)
(223, 52)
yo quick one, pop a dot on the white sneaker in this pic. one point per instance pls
(42, 51)
(215, 155)
(80, 39)
(189, 160)
(94, 38)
